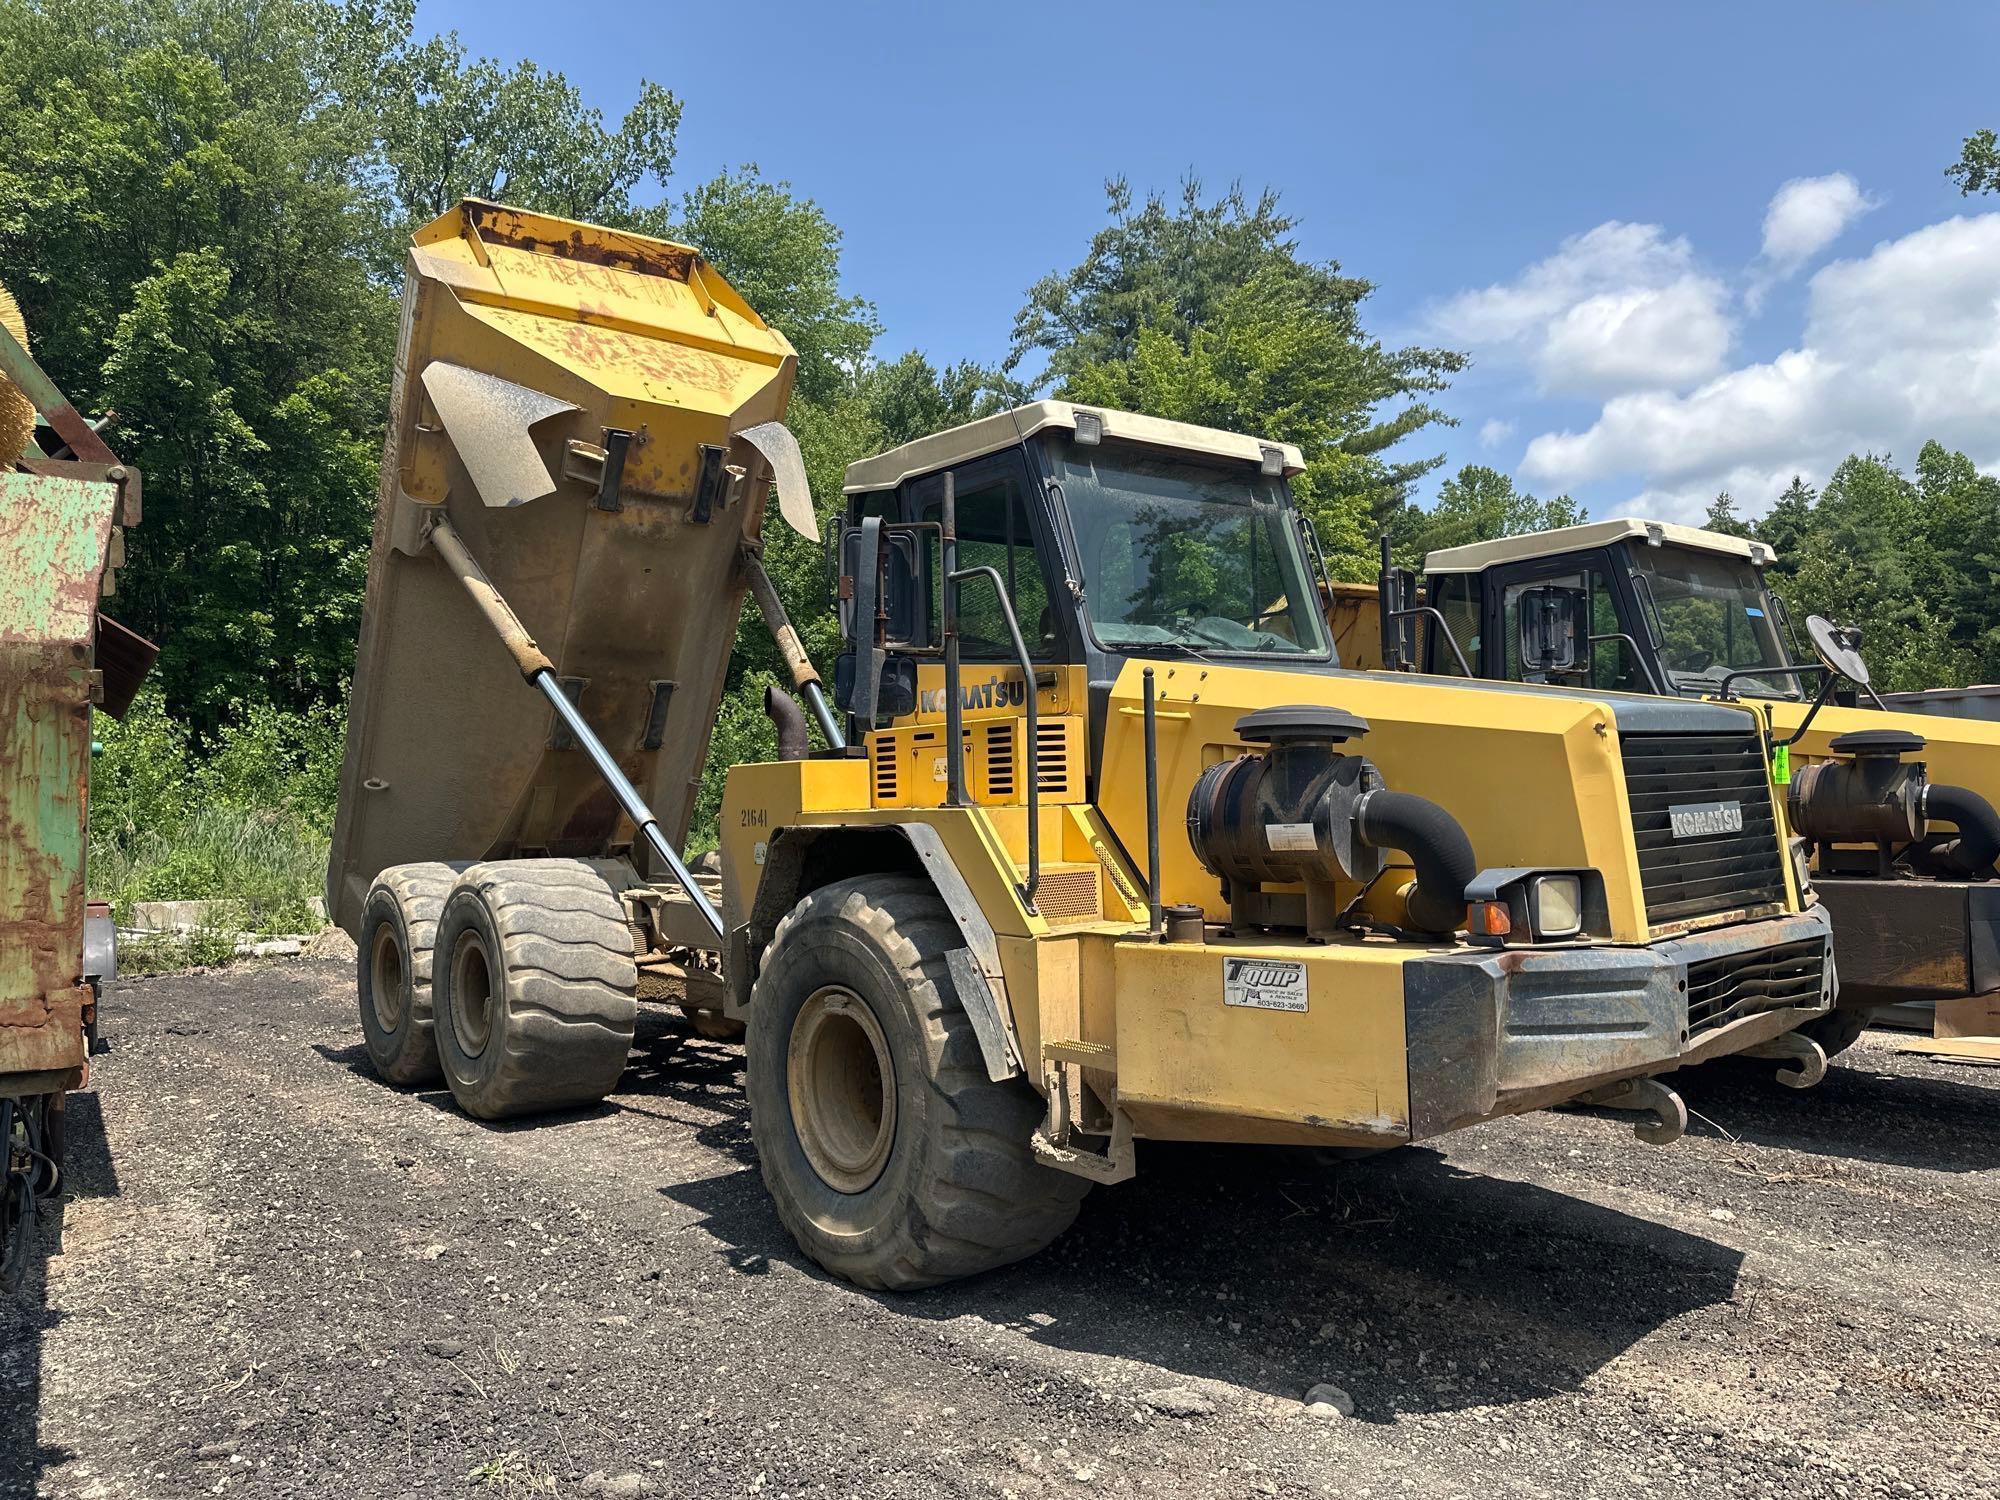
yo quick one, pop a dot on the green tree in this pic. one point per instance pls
(453, 128)
(1479, 504)
(199, 200)
(1977, 169)
(186, 221)
(1722, 517)
(782, 253)
(1205, 312)
(1907, 559)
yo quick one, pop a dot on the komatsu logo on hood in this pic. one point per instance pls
(1700, 820)
(995, 692)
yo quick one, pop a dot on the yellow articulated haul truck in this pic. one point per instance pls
(1897, 807)
(1102, 843)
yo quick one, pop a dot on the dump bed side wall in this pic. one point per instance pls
(449, 754)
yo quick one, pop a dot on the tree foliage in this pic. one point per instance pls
(1913, 559)
(1205, 312)
(1478, 504)
(1977, 169)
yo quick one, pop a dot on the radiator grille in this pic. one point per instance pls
(1693, 876)
(1052, 758)
(1000, 760)
(885, 767)
(1721, 990)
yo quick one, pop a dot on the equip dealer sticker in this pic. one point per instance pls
(1264, 983)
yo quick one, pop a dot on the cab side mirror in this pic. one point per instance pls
(1551, 629)
(899, 581)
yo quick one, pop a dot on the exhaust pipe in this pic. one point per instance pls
(1972, 853)
(790, 720)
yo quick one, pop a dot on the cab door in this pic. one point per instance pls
(1616, 634)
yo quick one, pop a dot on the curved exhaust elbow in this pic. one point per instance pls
(1436, 845)
(785, 713)
(1972, 853)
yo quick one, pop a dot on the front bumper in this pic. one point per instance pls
(1518, 1029)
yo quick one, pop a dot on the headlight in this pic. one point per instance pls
(1558, 906)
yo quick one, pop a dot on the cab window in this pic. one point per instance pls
(1456, 597)
(993, 532)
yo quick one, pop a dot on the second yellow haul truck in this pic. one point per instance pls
(1898, 807)
(1102, 842)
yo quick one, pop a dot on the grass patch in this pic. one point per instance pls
(243, 821)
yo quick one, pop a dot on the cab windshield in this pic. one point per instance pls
(1714, 619)
(1181, 554)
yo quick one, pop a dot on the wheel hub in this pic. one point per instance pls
(842, 1086)
(471, 994)
(385, 978)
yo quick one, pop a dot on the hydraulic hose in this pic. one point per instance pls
(784, 711)
(1436, 845)
(1972, 853)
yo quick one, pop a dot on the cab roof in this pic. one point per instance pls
(1479, 556)
(955, 445)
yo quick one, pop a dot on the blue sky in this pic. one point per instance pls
(1582, 196)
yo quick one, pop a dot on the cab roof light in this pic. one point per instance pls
(1270, 462)
(1089, 429)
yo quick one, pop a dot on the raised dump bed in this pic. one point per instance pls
(585, 407)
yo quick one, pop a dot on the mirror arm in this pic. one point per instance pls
(1723, 692)
(1449, 639)
(1819, 701)
(1033, 695)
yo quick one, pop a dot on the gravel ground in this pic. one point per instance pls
(278, 1277)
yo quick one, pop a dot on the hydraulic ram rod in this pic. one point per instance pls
(541, 675)
(804, 676)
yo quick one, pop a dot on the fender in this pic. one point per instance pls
(975, 968)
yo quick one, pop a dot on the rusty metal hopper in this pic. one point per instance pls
(595, 413)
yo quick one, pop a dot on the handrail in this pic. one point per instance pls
(952, 581)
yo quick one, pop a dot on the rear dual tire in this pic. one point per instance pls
(393, 970)
(535, 986)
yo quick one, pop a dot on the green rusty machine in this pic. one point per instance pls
(64, 503)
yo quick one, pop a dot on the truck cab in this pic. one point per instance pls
(1896, 807)
(1645, 606)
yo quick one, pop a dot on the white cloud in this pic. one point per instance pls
(1494, 431)
(1899, 345)
(1809, 213)
(1619, 308)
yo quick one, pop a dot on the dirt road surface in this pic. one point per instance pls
(279, 1277)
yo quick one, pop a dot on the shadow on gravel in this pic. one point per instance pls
(1925, 1120)
(670, 1065)
(26, 1317)
(1417, 1286)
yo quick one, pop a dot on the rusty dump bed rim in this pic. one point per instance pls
(602, 383)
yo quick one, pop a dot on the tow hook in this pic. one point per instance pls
(1646, 1096)
(1792, 1047)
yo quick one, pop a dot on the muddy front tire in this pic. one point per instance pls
(892, 1157)
(535, 987)
(392, 970)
